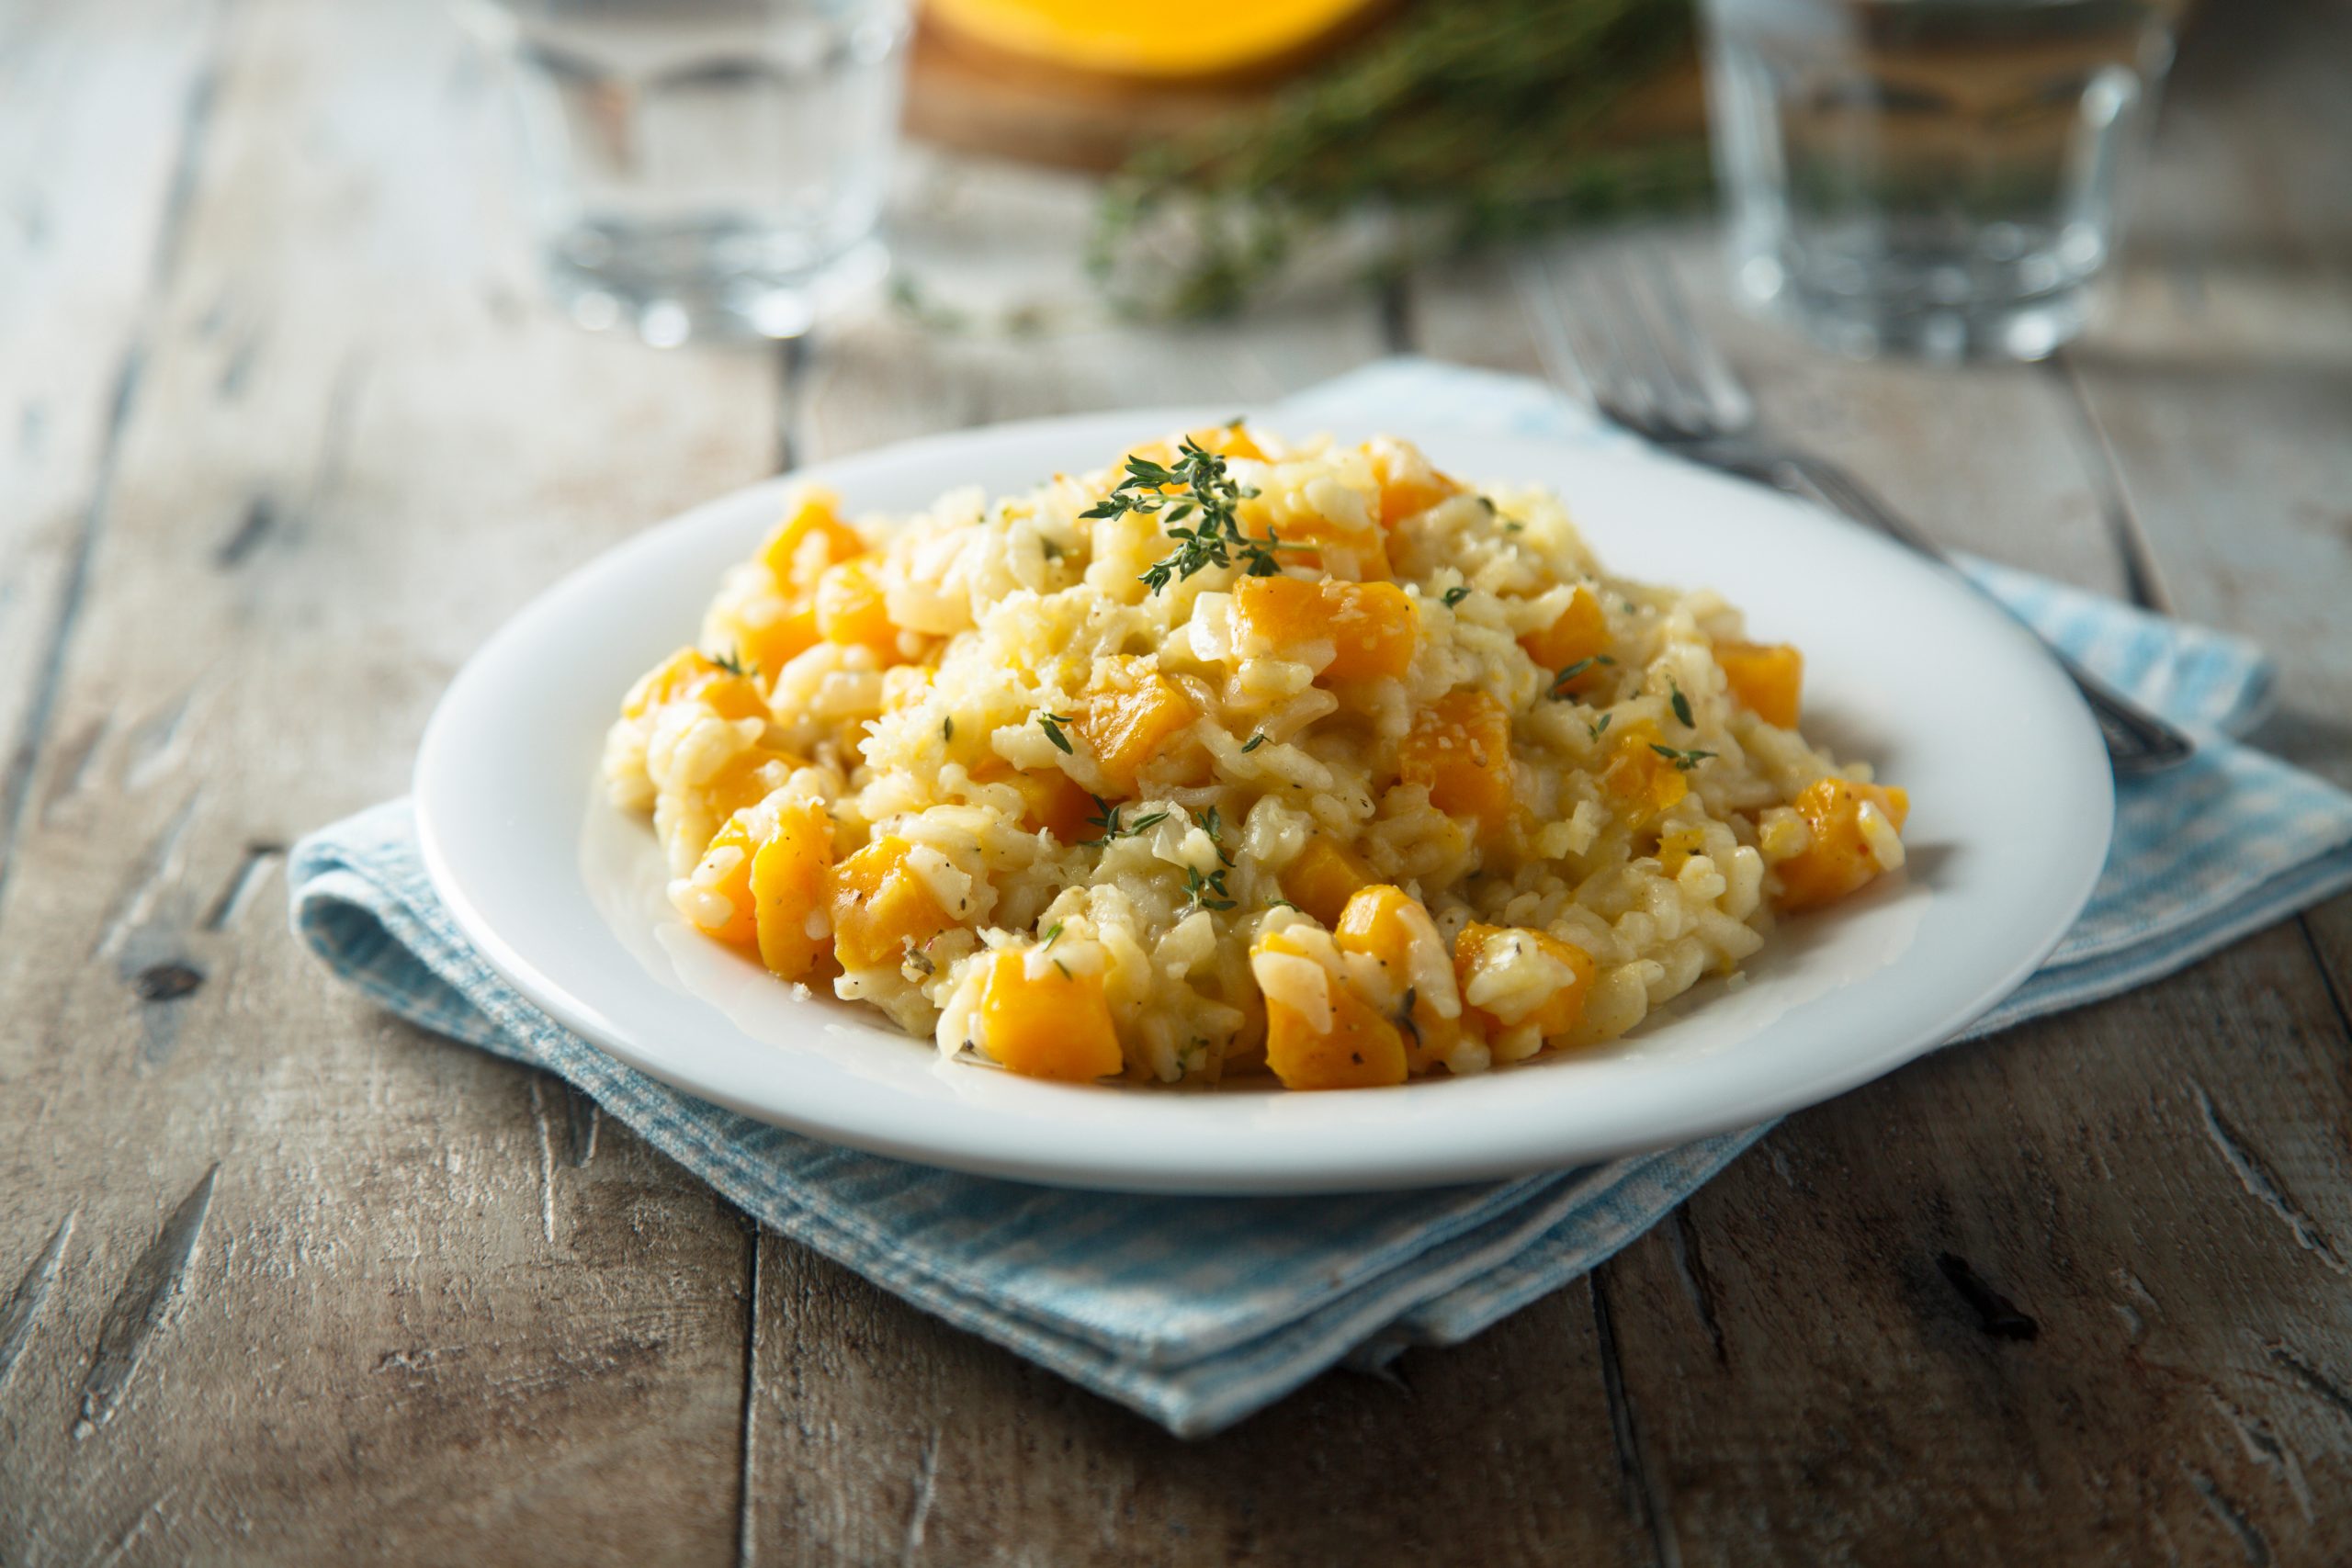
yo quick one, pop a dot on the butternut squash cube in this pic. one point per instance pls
(850, 609)
(789, 878)
(1768, 677)
(1646, 783)
(1842, 857)
(1042, 1022)
(1370, 625)
(1388, 925)
(1460, 747)
(1051, 800)
(1322, 877)
(1580, 632)
(882, 910)
(716, 895)
(1341, 1043)
(692, 674)
(747, 779)
(1128, 718)
(1408, 485)
(773, 645)
(811, 538)
(1480, 947)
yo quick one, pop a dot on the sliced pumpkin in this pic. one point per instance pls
(1460, 747)
(1164, 40)
(1042, 1021)
(1392, 928)
(1848, 848)
(1052, 801)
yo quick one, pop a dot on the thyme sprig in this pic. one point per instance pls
(1683, 761)
(734, 664)
(1107, 818)
(1051, 723)
(1561, 682)
(1205, 892)
(1196, 486)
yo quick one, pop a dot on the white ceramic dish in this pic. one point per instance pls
(2012, 810)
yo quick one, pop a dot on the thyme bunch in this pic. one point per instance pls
(1466, 122)
(1197, 485)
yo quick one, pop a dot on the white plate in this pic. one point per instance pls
(2011, 809)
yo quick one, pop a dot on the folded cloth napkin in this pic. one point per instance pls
(1197, 1312)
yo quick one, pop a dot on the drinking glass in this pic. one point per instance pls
(1934, 177)
(703, 167)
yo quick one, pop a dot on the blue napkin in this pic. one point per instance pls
(1197, 1312)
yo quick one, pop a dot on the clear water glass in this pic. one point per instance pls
(1931, 178)
(703, 167)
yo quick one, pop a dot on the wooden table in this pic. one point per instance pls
(286, 433)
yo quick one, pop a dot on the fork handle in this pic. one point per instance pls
(2137, 741)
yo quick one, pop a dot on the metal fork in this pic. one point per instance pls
(1645, 365)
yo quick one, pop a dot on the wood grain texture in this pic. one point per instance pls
(406, 1335)
(2075, 1295)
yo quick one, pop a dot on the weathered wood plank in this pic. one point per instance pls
(413, 1327)
(886, 1438)
(100, 110)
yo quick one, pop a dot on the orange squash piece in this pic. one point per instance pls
(1050, 1025)
(692, 673)
(1460, 747)
(850, 609)
(732, 844)
(882, 908)
(780, 642)
(1580, 632)
(1322, 877)
(1051, 800)
(811, 538)
(1646, 784)
(1370, 625)
(1839, 860)
(1384, 923)
(1128, 718)
(789, 881)
(1768, 677)
(1479, 944)
(1408, 485)
(747, 778)
(1321, 545)
(1360, 1049)
(1161, 40)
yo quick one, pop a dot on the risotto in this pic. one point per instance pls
(1237, 758)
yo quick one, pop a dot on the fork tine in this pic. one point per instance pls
(1730, 408)
(1538, 294)
(1571, 343)
(1600, 314)
(1681, 402)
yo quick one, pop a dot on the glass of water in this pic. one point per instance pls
(703, 167)
(1933, 177)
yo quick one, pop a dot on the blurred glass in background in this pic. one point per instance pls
(703, 167)
(1933, 177)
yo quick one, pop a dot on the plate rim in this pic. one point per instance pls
(1153, 1171)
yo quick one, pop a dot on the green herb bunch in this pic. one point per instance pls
(1469, 121)
(1197, 489)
